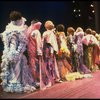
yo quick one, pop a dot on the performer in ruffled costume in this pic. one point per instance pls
(50, 48)
(79, 34)
(72, 47)
(16, 75)
(89, 41)
(35, 49)
(63, 53)
(96, 52)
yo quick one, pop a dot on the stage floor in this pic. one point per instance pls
(84, 88)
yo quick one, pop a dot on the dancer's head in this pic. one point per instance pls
(60, 28)
(49, 25)
(70, 31)
(16, 18)
(36, 24)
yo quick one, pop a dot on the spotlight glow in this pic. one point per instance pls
(73, 1)
(92, 11)
(91, 5)
(74, 10)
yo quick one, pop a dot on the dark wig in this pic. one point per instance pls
(34, 21)
(15, 15)
(60, 28)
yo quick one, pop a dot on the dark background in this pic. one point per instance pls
(57, 11)
(60, 12)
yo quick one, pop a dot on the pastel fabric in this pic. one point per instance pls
(91, 50)
(15, 75)
(34, 49)
(79, 51)
(50, 47)
(63, 65)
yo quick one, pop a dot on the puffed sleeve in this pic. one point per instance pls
(37, 35)
(39, 43)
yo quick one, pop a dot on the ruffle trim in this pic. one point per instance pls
(18, 88)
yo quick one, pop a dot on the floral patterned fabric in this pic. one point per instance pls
(79, 51)
(15, 75)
